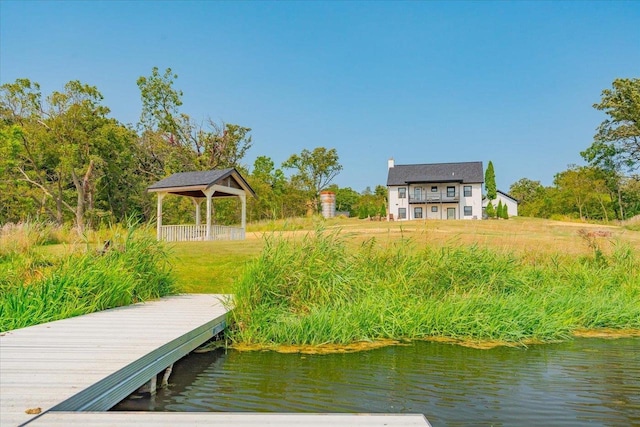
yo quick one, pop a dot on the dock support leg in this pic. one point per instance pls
(165, 377)
(153, 385)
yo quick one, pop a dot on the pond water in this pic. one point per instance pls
(585, 382)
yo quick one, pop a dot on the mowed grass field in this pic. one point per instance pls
(212, 267)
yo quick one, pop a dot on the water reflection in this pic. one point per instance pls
(591, 382)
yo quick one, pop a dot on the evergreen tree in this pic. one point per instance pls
(499, 209)
(382, 211)
(490, 182)
(491, 211)
(505, 212)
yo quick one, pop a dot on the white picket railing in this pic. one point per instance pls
(188, 233)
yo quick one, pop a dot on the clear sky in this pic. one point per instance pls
(423, 82)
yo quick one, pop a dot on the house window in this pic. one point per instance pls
(402, 193)
(468, 210)
(451, 192)
(417, 193)
(434, 209)
(434, 188)
(402, 213)
(467, 191)
(417, 213)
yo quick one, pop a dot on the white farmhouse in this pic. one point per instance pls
(435, 191)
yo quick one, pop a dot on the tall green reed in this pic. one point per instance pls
(134, 268)
(324, 289)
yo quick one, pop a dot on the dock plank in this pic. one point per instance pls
(171, 419)
(38, 371)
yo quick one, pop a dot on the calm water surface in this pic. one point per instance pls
(586, 382)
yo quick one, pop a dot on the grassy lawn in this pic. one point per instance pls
(211, 267)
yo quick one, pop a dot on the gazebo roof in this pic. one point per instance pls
(192, 184)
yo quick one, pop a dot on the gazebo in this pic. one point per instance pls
(202, 186)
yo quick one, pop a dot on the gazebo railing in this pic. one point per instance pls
(190, 233)
(223, 232)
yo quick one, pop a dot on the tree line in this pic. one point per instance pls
(608, 186)
(63, 159)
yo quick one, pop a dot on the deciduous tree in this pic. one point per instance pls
(269, 183)
(315, 170)
(616, 145)
(617, 141)
(62, 144)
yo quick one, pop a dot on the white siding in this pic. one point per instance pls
(437, 199)
(475, 201)
(395, 202)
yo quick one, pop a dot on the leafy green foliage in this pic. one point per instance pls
(160, 101)
(315, 170)
(584, 188)
(616, 146)
(61, 147)
(346, 199)
(270, 183)
(617, 142)
(370, 205)
(579, 192)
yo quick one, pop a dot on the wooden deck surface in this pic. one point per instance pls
(171, 419)
(91, 362)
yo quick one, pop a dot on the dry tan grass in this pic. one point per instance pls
(525, 236)
(212, 266)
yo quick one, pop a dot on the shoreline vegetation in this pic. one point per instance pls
(38, 287)
(350, 285)
(326, 291)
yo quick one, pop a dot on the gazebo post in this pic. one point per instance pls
(209, 193)
(243, 200)
(159, 215)
(197, 203)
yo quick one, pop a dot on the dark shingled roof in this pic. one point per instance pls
(198, 178)
(466, 172)
(508, 195)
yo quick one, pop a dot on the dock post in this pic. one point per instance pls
(165, 377)
(153, 385)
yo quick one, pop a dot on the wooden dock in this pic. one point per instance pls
(70, 371)
(92, 362)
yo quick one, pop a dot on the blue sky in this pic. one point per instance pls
(423, 82)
